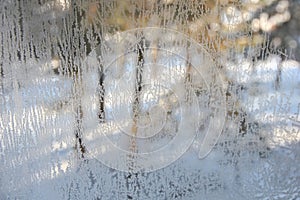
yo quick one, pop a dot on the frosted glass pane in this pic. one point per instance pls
(150, 99)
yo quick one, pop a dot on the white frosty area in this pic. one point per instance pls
(170, 110)
(50, 100)
(39, 161)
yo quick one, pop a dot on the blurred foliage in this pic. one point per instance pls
(221, 25)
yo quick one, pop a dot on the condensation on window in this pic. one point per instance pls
(150, 99)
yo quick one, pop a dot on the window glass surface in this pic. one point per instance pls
(150, 99)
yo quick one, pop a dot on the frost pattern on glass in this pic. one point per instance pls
(149, 99)
(161, 90)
